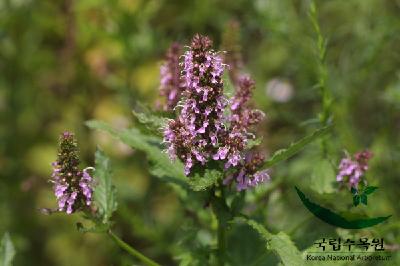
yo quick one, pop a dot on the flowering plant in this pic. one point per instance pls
(208, 150)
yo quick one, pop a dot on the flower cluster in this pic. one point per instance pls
(72, 187)
(193, 136)
(351, 170)
(247, 175)
(171, 82)
(206, 129)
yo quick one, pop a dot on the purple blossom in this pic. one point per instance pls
(353, 170)
(193, 135)
(72, 188)
(209, 127)
(171, 83)
(247, 175)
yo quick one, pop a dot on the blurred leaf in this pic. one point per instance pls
(98, 228)
(356, 200)
(238, 202)
(202, 182)
(323, 177)
(253, 143)
(364, 199)
(369, 190)
(353, 190)
(147, 117)
(104, 192)
(222, 210)
(294, 148)
(281, 244)
(162, 166)
(7, 251)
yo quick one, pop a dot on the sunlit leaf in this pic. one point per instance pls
(7, 251)
(104, 193)
(149, 118)
(280, 244)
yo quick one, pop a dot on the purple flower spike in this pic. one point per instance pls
(193, 135)
(352, 170)
(210, 127)
(73, 188)
(171, 84)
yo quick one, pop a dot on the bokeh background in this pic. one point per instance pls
(64, 62)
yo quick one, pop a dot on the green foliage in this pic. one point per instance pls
(202, 182)
(162, 166)
(149, 118)
(7, 251)
(280, 243)
(105, 192)
(254, 143)
(294, 148)
(335, 219)
(63, 62)
(369, 190)
(362, 194)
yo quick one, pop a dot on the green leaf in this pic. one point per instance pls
(294, 148)
(104, 192)
(369, 190)
(280, 244)
(98, 228)
(335, 219)
(147, 117)
(202, 182)
(253, 143)
(356, 200)
(364, 199)
(238, 202)
(7, 251)
(162, 166)
(322, 177)
(353, 190)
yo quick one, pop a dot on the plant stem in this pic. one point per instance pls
(221, 232)
(221, 235)
(131, 250)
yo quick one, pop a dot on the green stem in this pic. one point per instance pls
(219, 203)
(131, 250)
(221, 234)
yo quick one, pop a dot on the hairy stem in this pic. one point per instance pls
(326, 97)
(125, 246)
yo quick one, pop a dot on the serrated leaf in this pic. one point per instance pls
(162, 166)
(7, 251)
(294, 148)
(370, 189)
(202, 182)
(280, 244)
(104, 192)
(145, 116)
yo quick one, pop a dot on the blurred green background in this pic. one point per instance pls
(63, 62)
